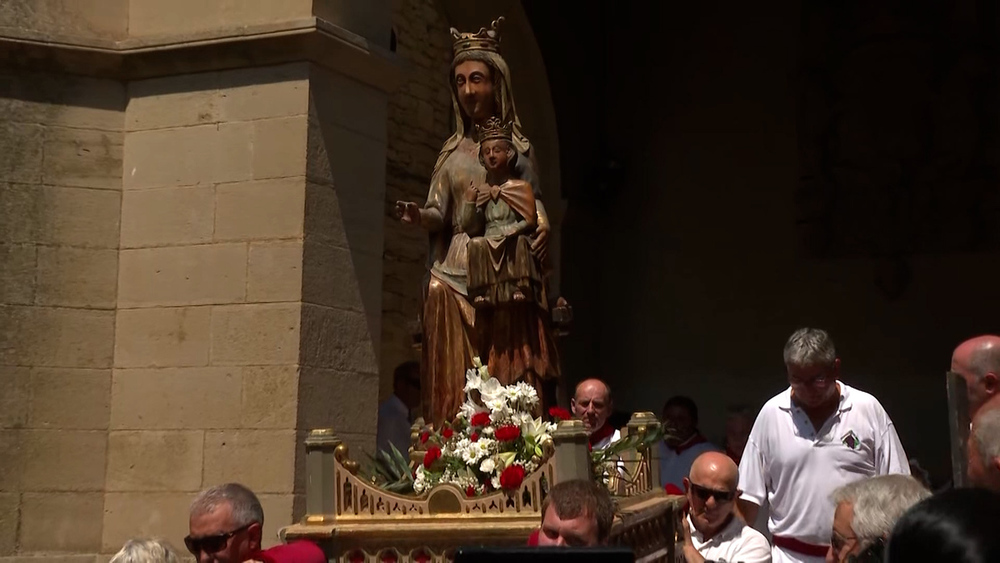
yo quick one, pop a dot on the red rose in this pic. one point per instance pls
(508, 433)
(424, 436)
(470, 491)
(474, 437)
(560, 413)
(512, 477)
(432, 455)
(447, 433)
(480, 419)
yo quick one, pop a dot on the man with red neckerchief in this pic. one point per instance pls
(591, 403)
(683, 444)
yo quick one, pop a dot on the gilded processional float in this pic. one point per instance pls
(494, 440)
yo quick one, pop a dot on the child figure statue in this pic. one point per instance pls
(502, 269)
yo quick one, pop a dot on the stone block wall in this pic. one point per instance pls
(190, 265)
(60, 192)
(209, 291)
(191, 281)
(419, 121)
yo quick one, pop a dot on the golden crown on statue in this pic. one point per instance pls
(482, 40)
(495, 129)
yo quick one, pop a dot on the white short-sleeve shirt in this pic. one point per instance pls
(736, 543)
(797, 469)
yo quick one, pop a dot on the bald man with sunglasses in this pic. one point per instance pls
(712, 530)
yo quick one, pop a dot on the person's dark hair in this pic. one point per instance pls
(957, 526)
(687, 403)
(578, 497)
(406, 370)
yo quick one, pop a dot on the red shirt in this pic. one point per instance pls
(295, 552)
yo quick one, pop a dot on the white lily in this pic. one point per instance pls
(506, 458)
(491, 389)
(534, 428)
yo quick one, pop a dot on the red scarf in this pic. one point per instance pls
(691, 442)
(601, 433)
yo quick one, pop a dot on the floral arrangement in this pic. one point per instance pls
(494, 441)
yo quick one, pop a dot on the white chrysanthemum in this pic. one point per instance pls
(473, 453)
(495, 481)
(499, 408)
(526, 394)
(488, 465)
(488, 430)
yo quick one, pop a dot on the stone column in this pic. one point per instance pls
(191, 261)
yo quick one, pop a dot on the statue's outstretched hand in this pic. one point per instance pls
(408, 212)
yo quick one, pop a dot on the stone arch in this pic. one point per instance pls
(418, 122)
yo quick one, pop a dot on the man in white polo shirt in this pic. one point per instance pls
(718, 534)
(809, 440)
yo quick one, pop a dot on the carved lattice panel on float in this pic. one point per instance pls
(358, 500)
(357, 522)
(639, 468)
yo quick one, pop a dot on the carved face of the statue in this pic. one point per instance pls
(495, 154)
(474, 88)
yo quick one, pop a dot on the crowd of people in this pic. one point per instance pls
(823, 456)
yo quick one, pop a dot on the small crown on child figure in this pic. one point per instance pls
(495, 129)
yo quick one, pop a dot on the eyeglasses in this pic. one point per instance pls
(704, 493)
(211, 544)
(818, 380)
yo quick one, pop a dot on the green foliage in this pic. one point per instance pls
(390, 471)
(606, 459)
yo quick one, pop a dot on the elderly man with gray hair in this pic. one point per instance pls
(815, 436)
(226, 525)
(866, 512)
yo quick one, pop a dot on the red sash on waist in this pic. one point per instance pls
(792, 544)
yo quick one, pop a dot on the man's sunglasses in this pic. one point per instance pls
(211, 544)
(704, 493)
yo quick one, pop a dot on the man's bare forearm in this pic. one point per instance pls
(749, 511)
